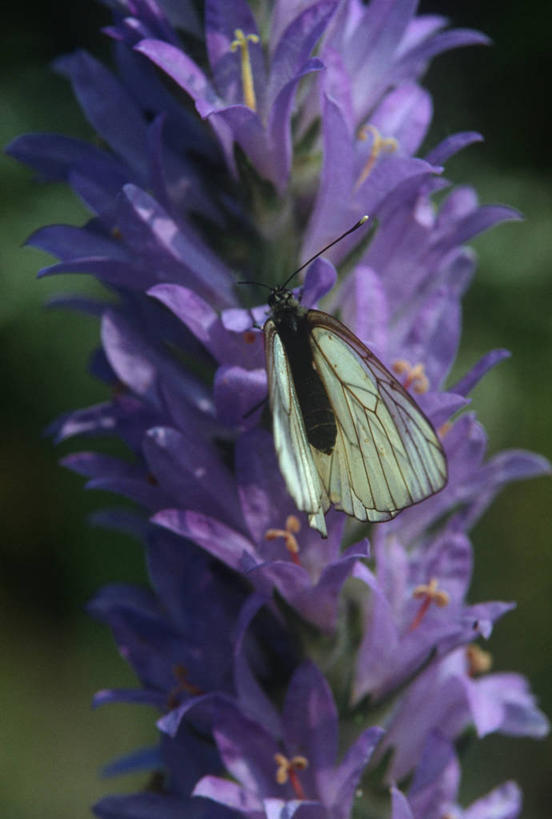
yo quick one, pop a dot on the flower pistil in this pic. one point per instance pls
(242, 43)
(428, 593)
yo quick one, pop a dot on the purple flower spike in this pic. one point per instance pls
(233, 148)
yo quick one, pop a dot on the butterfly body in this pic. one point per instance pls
(346, 432)
(291, 322)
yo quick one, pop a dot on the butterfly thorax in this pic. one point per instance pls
(294, 329)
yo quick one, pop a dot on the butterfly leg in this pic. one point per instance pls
(255, 407)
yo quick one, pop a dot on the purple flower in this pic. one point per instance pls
(434, 790)
(247, 101)
(178, 638)
(293, 770)
(372, 50)
(445, 698)
(279, 550)
(173, 770)
(293, 123)
(416, 610)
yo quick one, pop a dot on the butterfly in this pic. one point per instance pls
(346, 432)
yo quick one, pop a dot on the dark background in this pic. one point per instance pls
(54, 658)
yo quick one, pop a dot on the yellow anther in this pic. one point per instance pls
(432, 591)
(415, 375)
(242, 43)
(387, 145)
(293, 525)
(400, 366)
(428, 593)
(479, 661)
(287, 770)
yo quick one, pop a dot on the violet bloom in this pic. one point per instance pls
(246, 100)
(292, 770)
(273, 127)
(434, 790)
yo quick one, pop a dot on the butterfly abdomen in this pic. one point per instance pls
(318, 416)
(320, 425)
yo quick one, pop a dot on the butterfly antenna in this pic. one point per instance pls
(356, 226)
(257, 284)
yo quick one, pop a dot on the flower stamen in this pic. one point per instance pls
(242, 43)
(415, 375)
(428, 593)
(287, 770)
(183, 686)
(479, 661)
(444, 428)
(293, 526)
(387, 145)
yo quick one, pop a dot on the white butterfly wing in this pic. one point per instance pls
(290, 438)
(387, 455)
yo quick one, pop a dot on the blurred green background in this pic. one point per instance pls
(54, 658)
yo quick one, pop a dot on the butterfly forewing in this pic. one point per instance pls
(387, 454)
(290, 440)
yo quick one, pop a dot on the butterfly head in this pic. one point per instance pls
(281, 299)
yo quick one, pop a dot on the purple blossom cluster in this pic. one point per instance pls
(290, 676)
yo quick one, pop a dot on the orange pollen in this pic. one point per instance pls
(293, 526)
(415, 375)
(428, 594)
(387, 145)
(479, 661)
(287, 770)
(444, 428)
(184, 686)
(249, 337)
(116, 233)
